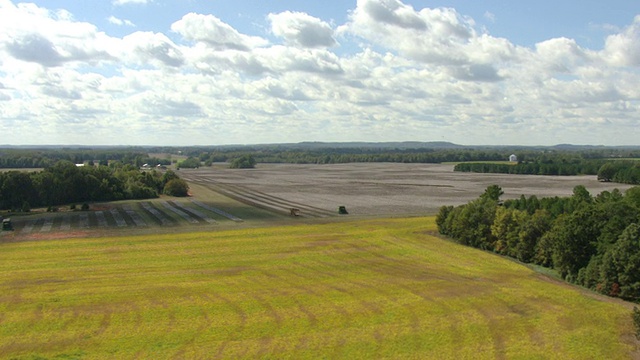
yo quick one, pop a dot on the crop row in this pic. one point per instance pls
(260, 199)
(142, 214)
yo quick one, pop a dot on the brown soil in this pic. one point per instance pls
(381, 188)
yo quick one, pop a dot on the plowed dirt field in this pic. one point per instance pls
(375, 188)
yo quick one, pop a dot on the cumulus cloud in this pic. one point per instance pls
(302, 30)
(61, 92)
(168, 107)
(50, 38)
(412, 73)
(35, 48)
(153, 47)
(390, 12)
(438, 35)
(561, 55)
(475, 72)
(212, 31)
(623, 49)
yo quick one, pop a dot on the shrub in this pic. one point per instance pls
(72, 207)
(85, 207)
(243, 162)
(176, 187)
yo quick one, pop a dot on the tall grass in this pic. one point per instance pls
(363, 289)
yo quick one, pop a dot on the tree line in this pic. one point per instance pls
(66, 183)
(593, 241)
(44, 158)
(626, 172)
(558, 160)
(553, 167)
(352, 155)
(621, 171)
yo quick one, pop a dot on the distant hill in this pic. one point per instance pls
(375, 145)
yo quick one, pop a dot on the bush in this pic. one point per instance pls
(85, 207)
(25, 207)
(189, 163)
(243, 162)
(72, 207)
(176, 187)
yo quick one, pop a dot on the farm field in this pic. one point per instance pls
(371, 288)
(224, 198)
(165, 214)
(375, 189)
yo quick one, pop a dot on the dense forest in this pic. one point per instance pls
(593, 241)
(66, 183)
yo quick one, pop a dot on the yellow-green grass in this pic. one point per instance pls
(368, 289)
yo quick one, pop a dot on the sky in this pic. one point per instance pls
(218, 72)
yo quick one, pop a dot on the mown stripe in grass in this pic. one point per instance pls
(100, 217)
(193, 212)
(117, 217)
(363, 289)
(156, 214)
(179, 212)
(135, 217)
(217, 211)
(28, 227)
(65, 223)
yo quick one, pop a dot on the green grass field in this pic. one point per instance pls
(367, 289)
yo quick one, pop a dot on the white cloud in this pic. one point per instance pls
(126, 2)
(49, 38)
(623, 49)
(302, 30)
(490, 16)
(439, 35)
(120, 22)
(212, 31)
(415, 74)
(562, 55)
(151, 47)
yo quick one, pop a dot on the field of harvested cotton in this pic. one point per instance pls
(362, 289)
(374, 189)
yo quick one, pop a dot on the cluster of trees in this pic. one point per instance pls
(590, 241)
(65, 183)
(243, 162)
(626, 172)
(189, 163)
(43, 158)
(551, 167)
